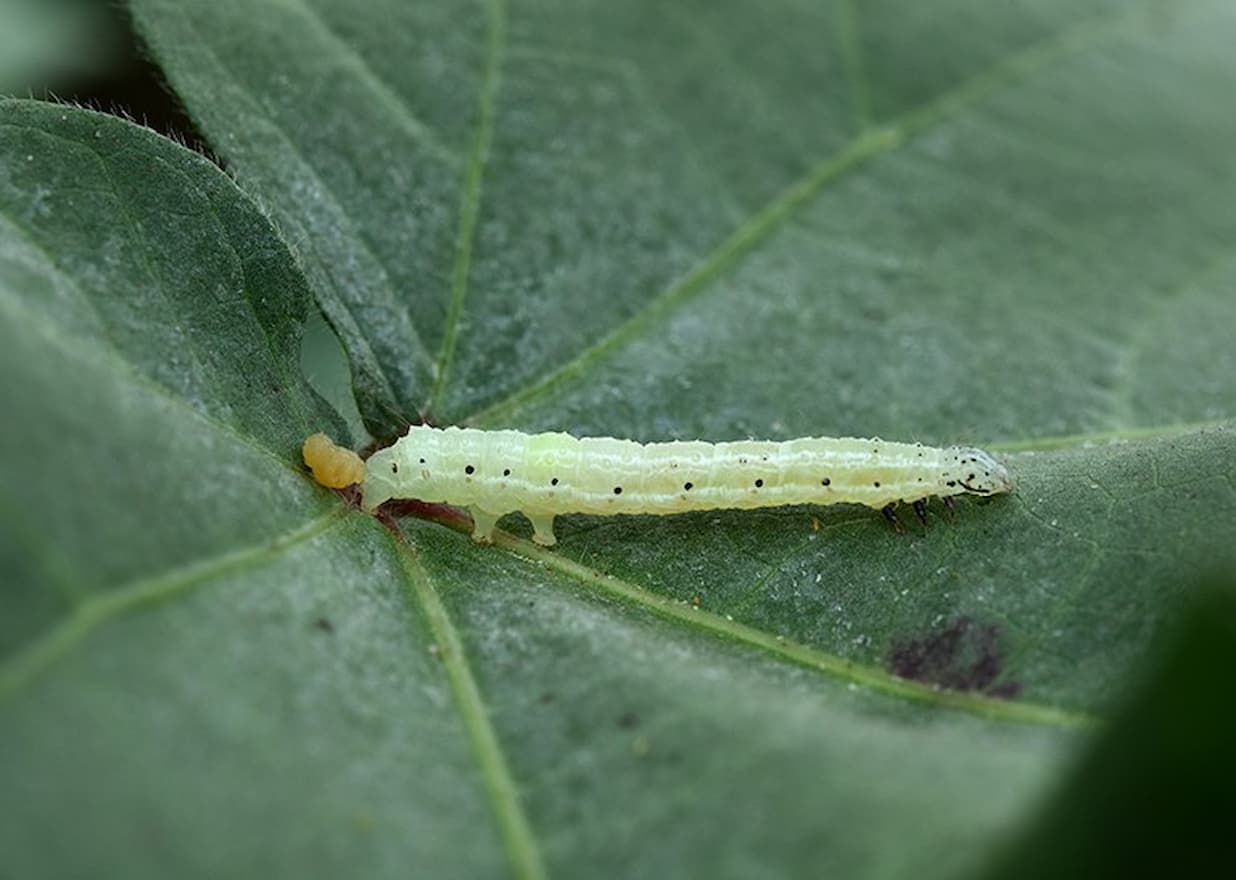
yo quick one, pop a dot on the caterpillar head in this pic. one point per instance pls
(975, 471)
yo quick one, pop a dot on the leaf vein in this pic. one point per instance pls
(470, 203)
(521, 845)
(850, 47)
(794, 652)
(411, 123)
(23, 667)
(1015, 69)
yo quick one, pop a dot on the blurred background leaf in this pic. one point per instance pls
(1156, 792)
(50, 44)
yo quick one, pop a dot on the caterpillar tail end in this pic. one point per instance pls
(333, 466)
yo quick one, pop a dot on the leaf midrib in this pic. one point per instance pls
(522, 850)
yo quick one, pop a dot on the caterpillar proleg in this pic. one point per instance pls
(496, 472)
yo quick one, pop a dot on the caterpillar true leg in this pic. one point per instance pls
(890, 514)
(920, 510)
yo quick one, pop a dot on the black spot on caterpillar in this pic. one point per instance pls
(557, 473)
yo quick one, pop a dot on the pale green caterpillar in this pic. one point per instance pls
(493, 473)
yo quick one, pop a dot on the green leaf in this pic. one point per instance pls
(195, 640)
(977, 222)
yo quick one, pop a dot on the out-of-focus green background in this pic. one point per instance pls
(85, 52)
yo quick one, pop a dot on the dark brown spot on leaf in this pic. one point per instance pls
(963, 656)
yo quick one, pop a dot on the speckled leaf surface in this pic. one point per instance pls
(197, 645)
(1008, 225)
